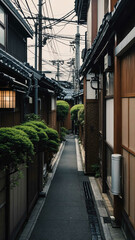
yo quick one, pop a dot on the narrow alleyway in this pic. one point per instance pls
(64, 215)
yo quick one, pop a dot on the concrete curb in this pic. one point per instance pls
(109, 232)
(25, 235)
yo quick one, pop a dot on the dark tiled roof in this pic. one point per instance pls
(6, 60)
(9, 6)
(79, 93)
(105, 28)
(81, 8)
(99, 38)
(68, 93)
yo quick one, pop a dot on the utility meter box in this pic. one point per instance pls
(116, 174)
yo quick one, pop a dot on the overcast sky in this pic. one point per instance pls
(56, 48)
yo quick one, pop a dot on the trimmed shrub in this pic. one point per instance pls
(39, 124)
(74, 112)
(63, 132)
(81, 116)
(15, 148)
(62, 110)
(52, 146)
(52, 134)
(31, 132)
(53, 140)
(43, 138)
(32, 117)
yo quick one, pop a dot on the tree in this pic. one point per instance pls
(74, 112)
(74, 115)
(62, 110)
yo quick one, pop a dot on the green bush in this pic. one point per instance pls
(52, 146)
(45, 135)
(52, 134)
(81, 116)
(39, 124)
(43, 138)
(74, 112)
(62, 110)
(32, 117)
(31, 132)
(63, 132)
(53, 140)
(15, 148)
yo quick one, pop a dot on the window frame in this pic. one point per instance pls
(3, 26)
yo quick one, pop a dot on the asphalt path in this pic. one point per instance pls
(64, 214)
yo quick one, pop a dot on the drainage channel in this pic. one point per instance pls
(92, 215)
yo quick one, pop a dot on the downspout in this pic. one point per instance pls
(35, 95)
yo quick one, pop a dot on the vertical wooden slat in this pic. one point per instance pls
(117, 126)
(94, 19)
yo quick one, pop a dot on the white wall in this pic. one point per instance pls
(90, 91)
(110, 122)
(53, 103)
(100, 12)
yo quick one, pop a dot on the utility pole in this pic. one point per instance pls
(73, 71)
(40, 54)
(77, 58)
(58, 71)
(72, 66)
(36, 24)
(57, 63)
(40, 35)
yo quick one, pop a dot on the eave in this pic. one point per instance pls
(50, 84)
(81, 8)
(13, 65)
(105, 33)
(10, 8)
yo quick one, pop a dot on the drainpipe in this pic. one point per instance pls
(36, 96)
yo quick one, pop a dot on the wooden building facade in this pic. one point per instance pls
(109, 63)
(18, 82)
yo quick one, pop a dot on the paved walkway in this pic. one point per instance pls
(73, 207)
(64, 215)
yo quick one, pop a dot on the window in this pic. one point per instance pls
(109, 83)
(2, 28)
(2, 16)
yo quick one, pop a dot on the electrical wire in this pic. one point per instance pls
(19, 6)
(34, 5)
(55, 44)
(62, 18)
(62, 42)
(30, 11)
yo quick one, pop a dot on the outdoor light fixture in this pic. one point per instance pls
(7, 99)
(94, 83)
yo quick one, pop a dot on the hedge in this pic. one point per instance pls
(31, 133)
(74, 112)
(43, 138)
(15, 147)
(62, 110)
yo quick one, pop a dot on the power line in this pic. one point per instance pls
(19, 6)
(30, 11)
(34, 5)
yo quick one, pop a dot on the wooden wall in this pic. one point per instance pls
(91, 134)
(94, 19)
(128, 132)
